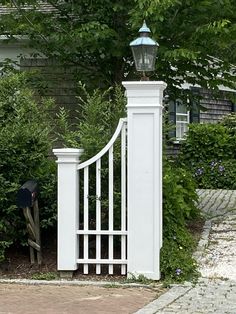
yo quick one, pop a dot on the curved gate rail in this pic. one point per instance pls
(99, 232)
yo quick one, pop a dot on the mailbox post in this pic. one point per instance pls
(27, 199)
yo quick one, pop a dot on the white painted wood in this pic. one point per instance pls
(102, 232)
(68, 207)
(85, 233)
(98, 214)
(86, 216)
(102, 261)
(106, 148)
(144, 177)
(123, 197)
(111, 208)
(110, 232)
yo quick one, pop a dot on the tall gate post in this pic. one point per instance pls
(144, 110)
(68, 207)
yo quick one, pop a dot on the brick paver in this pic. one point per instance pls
(41, 299)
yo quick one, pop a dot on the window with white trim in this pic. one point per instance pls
(182, 119)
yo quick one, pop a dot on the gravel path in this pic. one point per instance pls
(216, 290)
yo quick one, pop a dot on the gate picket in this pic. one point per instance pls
(122, 233)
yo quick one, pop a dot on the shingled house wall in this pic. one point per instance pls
(216, 107)
(59, 81)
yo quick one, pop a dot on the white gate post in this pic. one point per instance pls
(144, 177)
(68, 207)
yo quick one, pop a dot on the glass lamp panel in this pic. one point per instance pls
(144, 57)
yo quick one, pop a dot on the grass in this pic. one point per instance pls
(45, 276)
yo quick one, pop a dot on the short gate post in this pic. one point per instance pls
(144, 109)
(68, 207)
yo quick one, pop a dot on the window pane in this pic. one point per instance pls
(180, 107)
(181, 129)
(181, 118)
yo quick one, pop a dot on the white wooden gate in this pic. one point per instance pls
(98, 232)
(140, 232)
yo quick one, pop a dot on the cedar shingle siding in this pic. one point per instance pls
(59, 80)
(216, 108)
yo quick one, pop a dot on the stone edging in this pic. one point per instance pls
(165, 299)
(104, 284)
(177, 291)
(203, 242)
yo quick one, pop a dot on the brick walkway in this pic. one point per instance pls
(44, 299)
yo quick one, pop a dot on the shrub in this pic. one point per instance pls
(215, 174)
(179, 194)
(24, 147)
(208, 142)
(96, 120)
(179, 206)
(229, 121)
(209, 152)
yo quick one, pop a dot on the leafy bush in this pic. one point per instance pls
(209, 152)
(229, 121)
(24, 147)
(208, 142)
(179, 206)
(97, 117)
(177, 263)
(215, 174)
(179, 194)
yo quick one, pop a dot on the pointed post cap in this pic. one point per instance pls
(144, 28)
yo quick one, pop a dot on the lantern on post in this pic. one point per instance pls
(144, 51)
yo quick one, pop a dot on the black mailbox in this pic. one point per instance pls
(27, 194)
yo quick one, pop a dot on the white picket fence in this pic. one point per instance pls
(110, 232)
(81, 243)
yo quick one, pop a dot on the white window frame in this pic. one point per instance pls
(181, 126)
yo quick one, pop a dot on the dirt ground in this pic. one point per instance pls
(17, 266)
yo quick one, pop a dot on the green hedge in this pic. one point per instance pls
(179, 207)
(209, 152)
(25, 143)
(207, 143)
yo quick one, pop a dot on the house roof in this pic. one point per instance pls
(42, 7)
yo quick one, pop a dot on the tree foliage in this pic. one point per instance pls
(197, 38)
